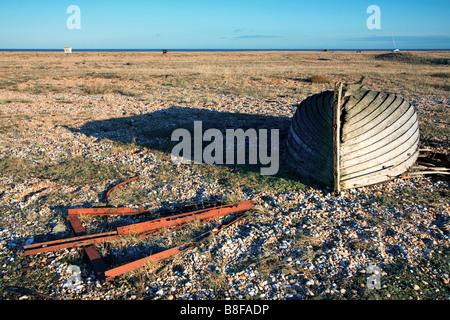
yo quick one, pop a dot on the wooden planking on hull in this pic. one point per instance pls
(310, 138)
(388, 160)
(353, 148)
(380, 176)
(382, 149)
(363, 138)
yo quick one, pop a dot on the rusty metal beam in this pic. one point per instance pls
(107, 211)
(145, 229)
(110, 211)
(203, 215)
(91, 251)
(27, 291)
(111, 273)
(79, 241)
(120, 184)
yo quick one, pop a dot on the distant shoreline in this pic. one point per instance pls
(209, 50)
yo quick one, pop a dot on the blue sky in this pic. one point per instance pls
(225, 24)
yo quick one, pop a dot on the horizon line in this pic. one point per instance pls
(222, 49)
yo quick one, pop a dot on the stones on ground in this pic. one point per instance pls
(297, 244)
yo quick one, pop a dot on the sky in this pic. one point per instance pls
(225, 24)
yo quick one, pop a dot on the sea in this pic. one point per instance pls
(202, 50)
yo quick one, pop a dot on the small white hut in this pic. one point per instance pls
(67, 50)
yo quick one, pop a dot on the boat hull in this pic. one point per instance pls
(352, 137)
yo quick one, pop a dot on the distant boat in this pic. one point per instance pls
(352, 137)
(393, 41)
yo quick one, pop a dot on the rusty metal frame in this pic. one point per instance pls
(97, 263)
(111, 273)
(119, 185)
(107, 211)
(143, 229)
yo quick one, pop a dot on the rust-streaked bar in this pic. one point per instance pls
(91, 251)
(120, 184)
(106, 211)
(204, 215)
(111, 273)
(145, 229)
(96, 261)
(79, 241)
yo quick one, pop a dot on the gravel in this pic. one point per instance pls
(295, 245)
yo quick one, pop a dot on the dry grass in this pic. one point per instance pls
(200, 80)
(190, 76)
(318, 79)
(412, 58)
(72, 171)
(41, 79)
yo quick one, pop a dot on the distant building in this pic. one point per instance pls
(67, 50)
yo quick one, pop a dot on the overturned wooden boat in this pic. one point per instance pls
(352, 137)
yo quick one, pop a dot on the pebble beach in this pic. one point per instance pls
(306, 243)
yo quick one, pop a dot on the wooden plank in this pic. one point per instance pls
(306, 165)
(379, 176)
(306, 161)
(380, 123)
(380, 154)
(375, 132)
(337, 138)
(359, 118)
(360, 100)
(326, 100)
(378, 140)
(417, 173)
(393, 161)
(315, 137)
(309, 143)
(317, 114)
